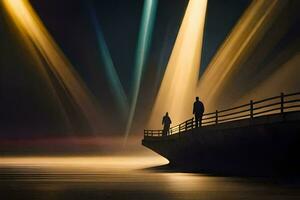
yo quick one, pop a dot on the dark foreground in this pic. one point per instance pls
(127, 178)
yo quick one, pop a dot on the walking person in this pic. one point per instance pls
(166, 121)
(198, 111)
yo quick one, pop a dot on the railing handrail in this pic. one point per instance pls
(234, 108)
(235, 113)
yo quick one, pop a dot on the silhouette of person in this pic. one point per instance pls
(198, 111)
(166, 121)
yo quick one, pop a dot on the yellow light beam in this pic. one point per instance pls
(177, 90)
(237, 47)
(284, 79)
(29, 25)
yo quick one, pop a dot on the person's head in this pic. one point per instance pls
(167, 113)
(197, 98)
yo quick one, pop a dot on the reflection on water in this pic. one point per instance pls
(52, 178)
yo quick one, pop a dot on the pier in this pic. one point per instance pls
(260, 137)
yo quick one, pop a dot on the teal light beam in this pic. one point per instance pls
(143, 46)
(111, 73)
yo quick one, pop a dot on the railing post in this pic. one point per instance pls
(251, 109)
(281, 103)
(193, 123)
(186, 126)
(217, 117)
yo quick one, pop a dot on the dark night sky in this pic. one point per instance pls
(24, 105)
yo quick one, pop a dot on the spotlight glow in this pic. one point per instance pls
(42, 47)
(87, 164)
(236, 49)
(177, 90)
(115, 83)
(144, 41)
(284, 79)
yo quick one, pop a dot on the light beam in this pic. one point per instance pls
(40, 43)
(143, 46)
(113, 78)
(177, 90)
(237, 47)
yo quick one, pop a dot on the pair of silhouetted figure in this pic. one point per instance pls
(198, 110)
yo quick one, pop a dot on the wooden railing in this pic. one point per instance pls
(275, 105)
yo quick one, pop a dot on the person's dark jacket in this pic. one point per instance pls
(166, 120)
(198, 108)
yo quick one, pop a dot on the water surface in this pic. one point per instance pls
(52, 178)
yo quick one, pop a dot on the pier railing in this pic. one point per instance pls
(282, 103)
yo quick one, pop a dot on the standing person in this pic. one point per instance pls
(166, 121)
(198, 111)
